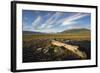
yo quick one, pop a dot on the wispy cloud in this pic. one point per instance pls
(54, 21)
(76, 16)
(26, 27)
(50, 21)
(71, 19)
(36, 22)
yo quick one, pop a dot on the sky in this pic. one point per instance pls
(53, 22)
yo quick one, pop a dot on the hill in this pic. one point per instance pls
(71, 31)
(77, 31)
(31, 32)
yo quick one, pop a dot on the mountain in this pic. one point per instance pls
(31, 32)
(74, 31)
(71, 31)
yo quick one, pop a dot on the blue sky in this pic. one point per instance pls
(53, 22)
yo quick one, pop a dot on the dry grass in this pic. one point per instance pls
(58, 36)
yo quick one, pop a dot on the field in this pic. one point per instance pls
(57, 36)
(38, 47)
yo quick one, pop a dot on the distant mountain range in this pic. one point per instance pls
(31, 32)
(83, 30)
(72, 31)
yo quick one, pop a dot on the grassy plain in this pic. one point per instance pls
(57, 36)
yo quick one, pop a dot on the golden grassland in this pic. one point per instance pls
(58, 36)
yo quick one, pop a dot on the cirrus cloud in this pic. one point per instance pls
(56, 21)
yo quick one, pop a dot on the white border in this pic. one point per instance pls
(37, 65)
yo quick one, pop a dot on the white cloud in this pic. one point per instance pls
(71, 19)
(26, 27)
(50, 22)
(76, 16)
(34, 26)
(67, 23)
(36, 22)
